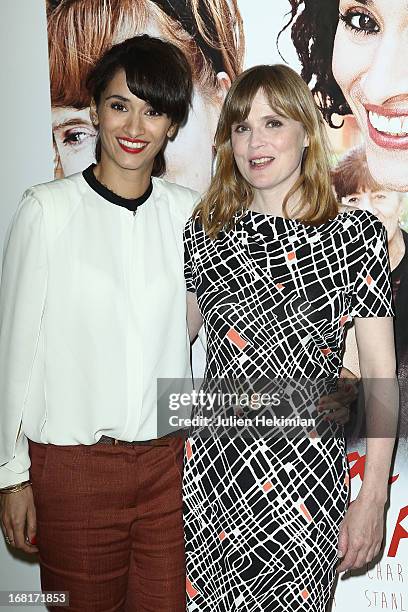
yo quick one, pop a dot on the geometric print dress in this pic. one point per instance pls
(262, 512)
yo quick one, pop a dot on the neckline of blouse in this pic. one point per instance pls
(129, 203)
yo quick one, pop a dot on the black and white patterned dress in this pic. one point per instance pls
(262, 515)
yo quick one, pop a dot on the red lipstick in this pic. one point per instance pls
(133, 150)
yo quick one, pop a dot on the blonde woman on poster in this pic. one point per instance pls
(352, 54)
(210, 34)
(92, 313)
(274, 272)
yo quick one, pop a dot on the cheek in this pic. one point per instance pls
(237, 145)
(344, 60)
(289, 147)
(391, 218)
(239, 151)
(110, 120)
(105, 126)
(391, 226)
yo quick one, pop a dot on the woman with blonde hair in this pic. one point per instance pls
(210, 34)
(274, 272)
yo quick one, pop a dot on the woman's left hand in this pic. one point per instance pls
(336, 406)
(361, 533)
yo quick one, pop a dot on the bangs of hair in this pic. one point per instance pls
(156, 71)
(275, 88)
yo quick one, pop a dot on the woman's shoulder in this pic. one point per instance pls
(353, 224)
(181, 199)
(363, 224)
(194, 228)
(62, 187)
(54, 201)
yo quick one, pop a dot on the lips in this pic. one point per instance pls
(132, 145)
(260, 162)
(388, 128)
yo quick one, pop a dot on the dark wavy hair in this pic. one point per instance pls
(313, 28)
(156, 71)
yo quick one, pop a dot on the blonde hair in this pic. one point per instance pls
(229, 193)
(80, 31)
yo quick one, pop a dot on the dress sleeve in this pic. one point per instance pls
(188, 260)
(372, 294)
(22, 300)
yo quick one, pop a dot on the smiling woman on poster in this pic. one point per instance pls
(210, 34)
(353, 53)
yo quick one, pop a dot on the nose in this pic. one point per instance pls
(257, 138)
(386, 78)
(134, 124)
(366, 202)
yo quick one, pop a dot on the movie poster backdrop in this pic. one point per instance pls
(351, 55)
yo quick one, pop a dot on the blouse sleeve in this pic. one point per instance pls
(372, 294)
(188, 260)
(22, 300)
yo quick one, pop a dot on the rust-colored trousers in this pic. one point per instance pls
(109, 525)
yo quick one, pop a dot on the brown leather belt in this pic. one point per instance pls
(163, 441)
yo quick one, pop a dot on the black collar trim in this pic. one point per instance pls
(107, 194)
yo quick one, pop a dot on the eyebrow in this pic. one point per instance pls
(118, 98)
(263, 118)
(70, 122)
(369, 3)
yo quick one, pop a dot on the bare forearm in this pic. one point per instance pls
(194, 318)
(382, 406)
(377, 469)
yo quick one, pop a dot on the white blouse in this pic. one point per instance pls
(92, 313)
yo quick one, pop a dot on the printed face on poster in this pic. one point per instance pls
(352, 55)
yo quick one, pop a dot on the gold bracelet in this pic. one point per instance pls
(15, 488)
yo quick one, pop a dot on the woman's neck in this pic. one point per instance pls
(129, 184)
(396, 249)
(271, 202)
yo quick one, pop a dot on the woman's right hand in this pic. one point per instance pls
(18, 519)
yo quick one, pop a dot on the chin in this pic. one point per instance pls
(128, 164)
(388, 171)
(261, 184)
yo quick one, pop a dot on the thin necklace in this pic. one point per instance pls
(114, 192)
(111, 190)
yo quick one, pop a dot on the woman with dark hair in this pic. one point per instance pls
(92, 314)
(274, 272)
(351, 52)
(356, 188)
(210, 34)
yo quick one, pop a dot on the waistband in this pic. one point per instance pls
(163, 441)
